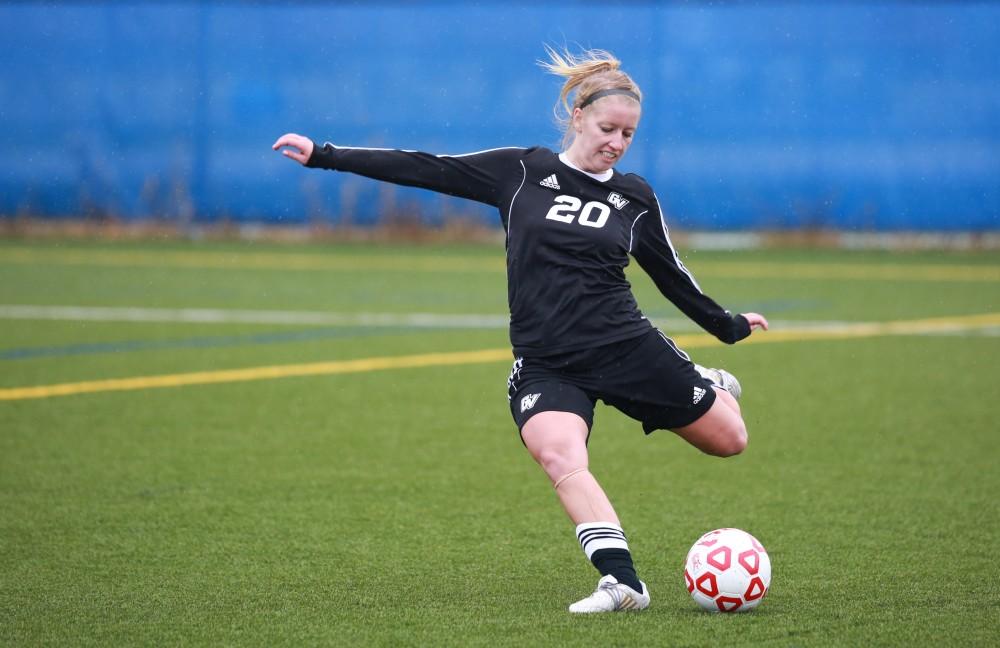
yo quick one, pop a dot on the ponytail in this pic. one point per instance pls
(592, 72)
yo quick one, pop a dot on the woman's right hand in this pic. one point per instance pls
(299, 148)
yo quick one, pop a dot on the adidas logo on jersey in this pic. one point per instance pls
(528, 402)
(616, 199)
(699, 393)
(550, 182)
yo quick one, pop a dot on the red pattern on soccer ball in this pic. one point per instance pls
(722, 564)
(728, 603)
(713, 589)
(750, 561)
(755, 590)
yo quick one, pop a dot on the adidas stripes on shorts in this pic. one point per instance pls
(647, 378)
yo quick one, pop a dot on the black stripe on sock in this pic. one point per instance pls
(603, 532)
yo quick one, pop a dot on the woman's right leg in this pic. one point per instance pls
(558, 442)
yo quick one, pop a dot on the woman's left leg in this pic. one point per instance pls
(720, 431)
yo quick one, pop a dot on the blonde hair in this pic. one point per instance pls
(586, 74)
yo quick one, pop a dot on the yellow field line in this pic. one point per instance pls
(257, 373)
(880, 329)
(906, 327)
(856, 271)
(489, 262)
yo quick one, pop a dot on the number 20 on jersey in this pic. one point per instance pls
(570, 208)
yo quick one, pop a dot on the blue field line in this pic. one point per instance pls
(127, 346)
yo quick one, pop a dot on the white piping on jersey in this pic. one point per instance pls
(631, 231)
(510, 212)
(673, 251)
(499, 148)
(368, 148)
(673, 346)
(600, 177)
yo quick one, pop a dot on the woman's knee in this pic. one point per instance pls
(557, 441)
(557, 461)
(732, 440)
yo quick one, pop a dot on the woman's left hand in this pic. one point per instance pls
(756, 320)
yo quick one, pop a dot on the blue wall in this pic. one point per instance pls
(865, 115)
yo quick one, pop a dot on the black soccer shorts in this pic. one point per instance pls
(648, 378)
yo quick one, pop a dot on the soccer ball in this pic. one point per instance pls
(727, 570)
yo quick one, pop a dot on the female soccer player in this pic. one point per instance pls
(572, 220)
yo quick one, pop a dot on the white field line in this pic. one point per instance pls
(780, 329)
(223, 316)
(434, 320)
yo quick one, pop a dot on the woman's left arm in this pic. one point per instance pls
(655, 253)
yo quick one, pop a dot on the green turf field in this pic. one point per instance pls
(178, 467)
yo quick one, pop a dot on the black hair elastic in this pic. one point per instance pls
(607, 93)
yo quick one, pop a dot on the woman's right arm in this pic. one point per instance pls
(476, 176)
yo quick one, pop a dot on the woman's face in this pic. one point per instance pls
(604, 131)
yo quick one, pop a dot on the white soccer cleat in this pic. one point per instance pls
(612, 596)
(721, 378)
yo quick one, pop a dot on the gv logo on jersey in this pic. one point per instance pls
(617, 200)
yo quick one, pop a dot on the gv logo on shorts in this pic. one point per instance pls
(528, 402)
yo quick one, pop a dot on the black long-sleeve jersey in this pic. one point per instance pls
(569, 236)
